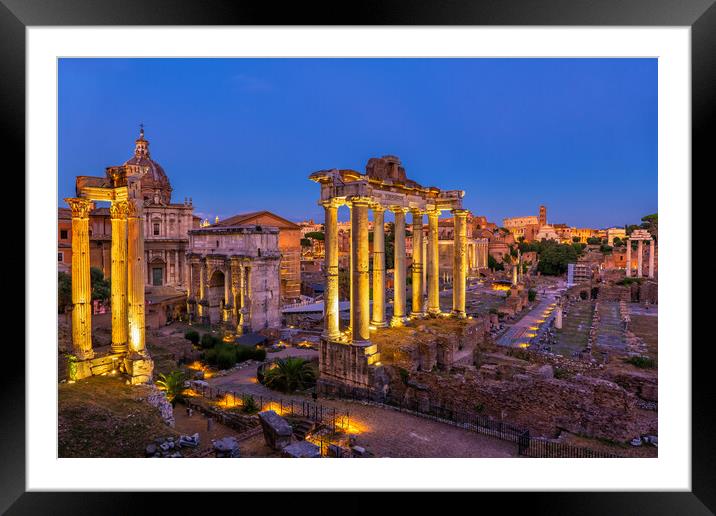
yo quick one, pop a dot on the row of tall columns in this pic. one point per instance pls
(127, 272)
(640, 258)
(422, 272)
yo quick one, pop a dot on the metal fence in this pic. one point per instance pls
(527, 445)
(319, 414)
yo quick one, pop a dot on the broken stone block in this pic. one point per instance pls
(358, 451)
(151, 449)
(191, 441)
(225, 448)
(277, 431)
(546, 371)
(302, 450)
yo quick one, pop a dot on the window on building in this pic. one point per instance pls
(60, 257)
(156, 228)
(63, 234)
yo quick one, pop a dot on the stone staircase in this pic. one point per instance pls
(302, 427)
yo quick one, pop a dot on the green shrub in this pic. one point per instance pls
(249, 405)
(404, 375)
(208, 341)
(243, 353)
(642, 362)
(259, 354)
(531, 295)
(225, 357)
(192, 336)
(209, 356)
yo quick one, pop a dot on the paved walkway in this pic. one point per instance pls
(383, 431)
(515, 334)
(610, 333)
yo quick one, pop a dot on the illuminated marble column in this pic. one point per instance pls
(118, 215)
(628, 258)
(399, 268)
(417, 267)
(514, 274)
(433, 263)
(639, 258)
(361, 282)
(135, 277)
(558, 318)
(378, 319)
(652, 244)
(332, 312)
(81, 286)
(459, 275)
(519, 266)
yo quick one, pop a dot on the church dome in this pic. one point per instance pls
(155, 185)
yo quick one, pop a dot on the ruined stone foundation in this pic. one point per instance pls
(348, 366)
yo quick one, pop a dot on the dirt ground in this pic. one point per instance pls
(103, 417)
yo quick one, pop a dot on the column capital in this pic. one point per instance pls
(359, 200)
(433, 212)
(395, 209)
(134, 210)
(460, 212)
(332, 203)
(376, 207)
(80, 207)
(418, 211)
(119, 210)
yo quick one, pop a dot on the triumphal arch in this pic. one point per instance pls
(347, 355)
(122, 189)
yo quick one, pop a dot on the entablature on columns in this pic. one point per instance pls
(343, 186)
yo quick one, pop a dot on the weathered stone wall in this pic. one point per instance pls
(530, 399)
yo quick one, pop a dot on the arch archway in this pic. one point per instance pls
(216, 296)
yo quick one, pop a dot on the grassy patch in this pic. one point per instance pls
(103, 417)
(642, 362)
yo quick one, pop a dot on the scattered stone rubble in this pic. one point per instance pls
(226, 448)
(169, 447)
(157, 398)
(277, 431)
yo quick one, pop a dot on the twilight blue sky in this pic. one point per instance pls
(236, 135)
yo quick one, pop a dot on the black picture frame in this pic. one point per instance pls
(700, 15)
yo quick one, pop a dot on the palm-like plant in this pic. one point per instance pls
(172, 384)
(290, 374)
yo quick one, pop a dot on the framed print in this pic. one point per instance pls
(426, 237)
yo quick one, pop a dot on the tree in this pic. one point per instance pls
(594, 241)
(306, 242)
(64, 291)
(576, 239)
(290, 374)
(315, 235)
(101, 289)
(617, 242)
(554, 258)
(494, 264)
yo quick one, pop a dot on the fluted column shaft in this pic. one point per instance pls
(378, 319)
(399, 269)
(135, 277)
(628, 258)
(81, 279)
(361, 282)
(459, 266)
(417, 266)
(433, 263)
(652, 242)
(203, 310)
(332, 312)
(118, 216)
(226, 316)
(639, 258)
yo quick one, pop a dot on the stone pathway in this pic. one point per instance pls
(610, 332)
